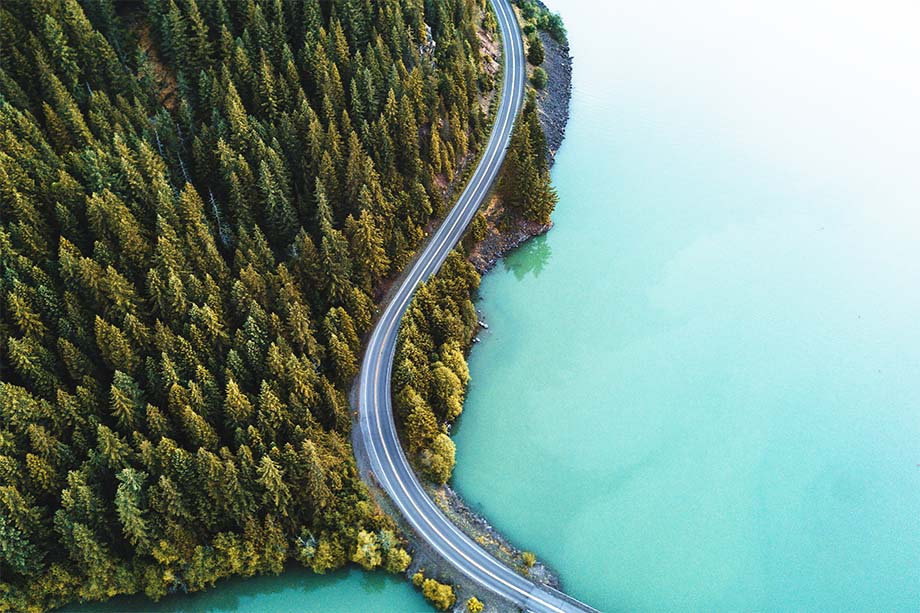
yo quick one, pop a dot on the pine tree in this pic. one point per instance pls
(524, 184)
(406, 138)
(199, 48)
(535, 54)
(319, 492)
(368, 250)
(236, 406)
(270, 478)
(114, 346)
(127, 401)
(421, 427)
(65, 60)
(127, 505)
(174, 35)
(281, 221)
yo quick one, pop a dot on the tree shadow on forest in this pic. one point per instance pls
(531, 257)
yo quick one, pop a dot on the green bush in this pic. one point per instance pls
(535, 53)
(539, 78)
(552, 24)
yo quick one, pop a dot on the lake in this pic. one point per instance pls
(701, 390)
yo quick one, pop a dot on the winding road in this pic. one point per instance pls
(388, 463)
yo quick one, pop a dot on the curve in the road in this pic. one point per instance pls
(388, 463)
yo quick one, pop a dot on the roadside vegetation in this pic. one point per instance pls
(537, 17)
(430, 373)
(440, 595)
(524, 187)
(192, 244)
(539, 78)
(535, 52)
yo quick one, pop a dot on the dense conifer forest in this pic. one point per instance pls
(201, 201)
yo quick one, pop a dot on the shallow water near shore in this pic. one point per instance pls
(701, 390)
(297, 589)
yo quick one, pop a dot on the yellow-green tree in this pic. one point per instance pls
(439, 594)
(367, 551)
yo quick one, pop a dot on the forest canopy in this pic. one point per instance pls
(199, 202)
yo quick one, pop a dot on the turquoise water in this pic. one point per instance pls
(701, 391)
(295, 590)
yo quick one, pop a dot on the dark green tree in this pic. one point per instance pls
(535, 53)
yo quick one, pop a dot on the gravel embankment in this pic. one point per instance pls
(553, 101)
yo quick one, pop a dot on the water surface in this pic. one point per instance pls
(701, 391)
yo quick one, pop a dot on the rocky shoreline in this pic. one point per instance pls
(502, 236)
(553, 100)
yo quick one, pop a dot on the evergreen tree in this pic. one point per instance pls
(524, 185)
(535, 54)
(368, 249)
